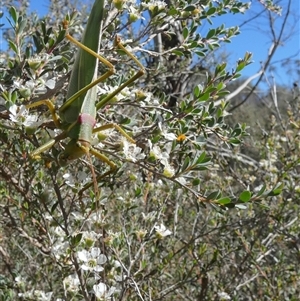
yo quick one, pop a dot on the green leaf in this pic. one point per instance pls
(196, 182)
(204, 97)
(13, 13)
(172, 12)
(125, 120)
(185, 32)
(221, 86)
(211, 11)
(236, 132)
(261, 191)
(53, 208)
(197, 90)
(50, 42)
(190, 8)
(235, 10)
(22, 25)
(277, 190)
(75, 240)
(247, 57)
(43, 26)
(234, 141)
(245, 196)
(194, 44)
(211, 34)
(214, 195)
(177, 52)
(220, 68)
(203, 159)
(185, 164)
(223, 201)
(61, 36)
(200, 53)
(241, 66)
(13, 46)
(138, 192)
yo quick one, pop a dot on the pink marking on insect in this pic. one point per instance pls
(85, 118)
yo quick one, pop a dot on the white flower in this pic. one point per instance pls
(131, 151)
(156, 152)
(20, 115)
(224, 296)
(59, 231)
(92, 260)
(101, 291)
(169, 170)
(60, 249)
(69, 179)
(258, 188)
(155, 3)
(31, 121)
(20, 282)
(117, 264)
(42, 296)
(81, 178)
(150, 216)
(168, 136)
(36, 295)
(97, 218)
(162, 231)
(71, 283)
(134, 13)
(90, 237)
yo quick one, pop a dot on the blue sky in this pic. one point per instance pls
(255, 37)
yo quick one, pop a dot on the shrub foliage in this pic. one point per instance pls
(189, 213)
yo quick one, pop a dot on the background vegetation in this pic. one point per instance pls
(203, 207)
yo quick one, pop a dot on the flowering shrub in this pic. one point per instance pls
(141, 224)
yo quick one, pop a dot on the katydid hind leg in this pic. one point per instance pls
(96, 179)
(132, 79)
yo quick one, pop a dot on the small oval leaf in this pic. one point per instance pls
(245, 196)
(224, 201)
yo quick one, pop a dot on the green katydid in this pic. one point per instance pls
(77, 115)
